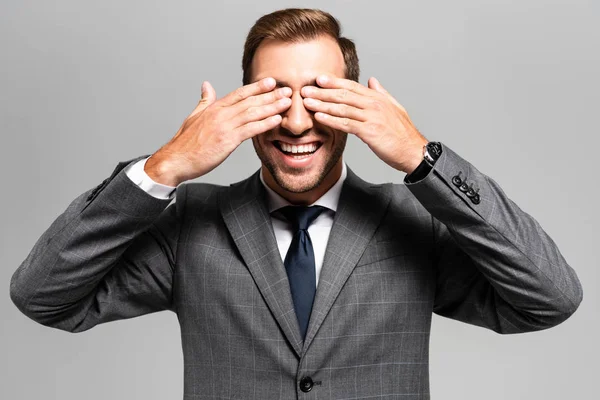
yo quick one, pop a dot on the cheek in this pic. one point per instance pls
(337, 137)
(258, 144)
(264, 138)
(259, 140)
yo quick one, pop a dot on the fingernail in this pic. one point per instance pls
(269, 82)
(323, 79)
(308, 91)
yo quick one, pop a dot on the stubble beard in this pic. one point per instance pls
(302, 183)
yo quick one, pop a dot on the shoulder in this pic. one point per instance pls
(405, 216)
(402, 202)
(400, 195)
(199, 193)
(195, 198)
(202, 198)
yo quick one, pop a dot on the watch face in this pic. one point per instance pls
(434, 149)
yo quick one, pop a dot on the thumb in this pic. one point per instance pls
(374, 84)
(208, 93)
(208, 97)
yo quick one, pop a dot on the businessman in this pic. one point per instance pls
(303, 280)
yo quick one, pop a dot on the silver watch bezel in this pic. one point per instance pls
(427, 157)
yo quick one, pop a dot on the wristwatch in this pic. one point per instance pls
(431, 153)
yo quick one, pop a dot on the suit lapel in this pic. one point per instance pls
(360, 209)
(244, 210)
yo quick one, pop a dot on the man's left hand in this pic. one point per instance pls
(370, 113)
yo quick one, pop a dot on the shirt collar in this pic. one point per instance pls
(330, 199)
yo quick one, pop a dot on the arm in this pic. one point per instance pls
(496, 266)
(110, 255)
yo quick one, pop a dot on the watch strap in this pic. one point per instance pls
(431, 153)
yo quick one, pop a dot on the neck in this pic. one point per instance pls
(309, 197)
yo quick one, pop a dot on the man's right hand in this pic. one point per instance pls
(216, 128)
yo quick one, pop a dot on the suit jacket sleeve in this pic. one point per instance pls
(496, 267)
(110, 255)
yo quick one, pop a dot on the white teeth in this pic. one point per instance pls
(303, 148)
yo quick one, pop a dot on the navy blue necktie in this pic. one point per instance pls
(300, 261)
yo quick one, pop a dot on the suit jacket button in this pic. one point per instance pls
(464, 187)
(475, 199)
(456, 180)
(306, 384)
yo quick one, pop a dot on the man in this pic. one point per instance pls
(302, 281)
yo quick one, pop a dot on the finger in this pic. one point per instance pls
(340, 123)
(252, 89)
(254, 128)
(344, 96)
(208, 92)
(261, 112)
(335, 109)
(376, 85)
(333, 82)
(262, 99)
(209, 95)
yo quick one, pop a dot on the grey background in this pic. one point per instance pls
(512, 86)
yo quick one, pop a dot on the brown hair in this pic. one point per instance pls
(296, 25)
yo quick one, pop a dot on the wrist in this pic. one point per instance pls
(415, 156)
(161, 170)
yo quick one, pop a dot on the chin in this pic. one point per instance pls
(298, 181)
(299, 165)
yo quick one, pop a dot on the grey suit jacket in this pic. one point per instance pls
(396, 253)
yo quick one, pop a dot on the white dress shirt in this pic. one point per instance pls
(319, 230)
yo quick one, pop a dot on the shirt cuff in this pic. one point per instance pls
(138, 176)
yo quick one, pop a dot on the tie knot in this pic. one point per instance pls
(301, 216)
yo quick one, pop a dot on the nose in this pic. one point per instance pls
(297, 119)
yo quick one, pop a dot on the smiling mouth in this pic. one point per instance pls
(297, 151)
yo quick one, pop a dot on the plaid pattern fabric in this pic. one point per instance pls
(396, 254)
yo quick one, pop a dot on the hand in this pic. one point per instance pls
(370, 113)
(216, 128)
